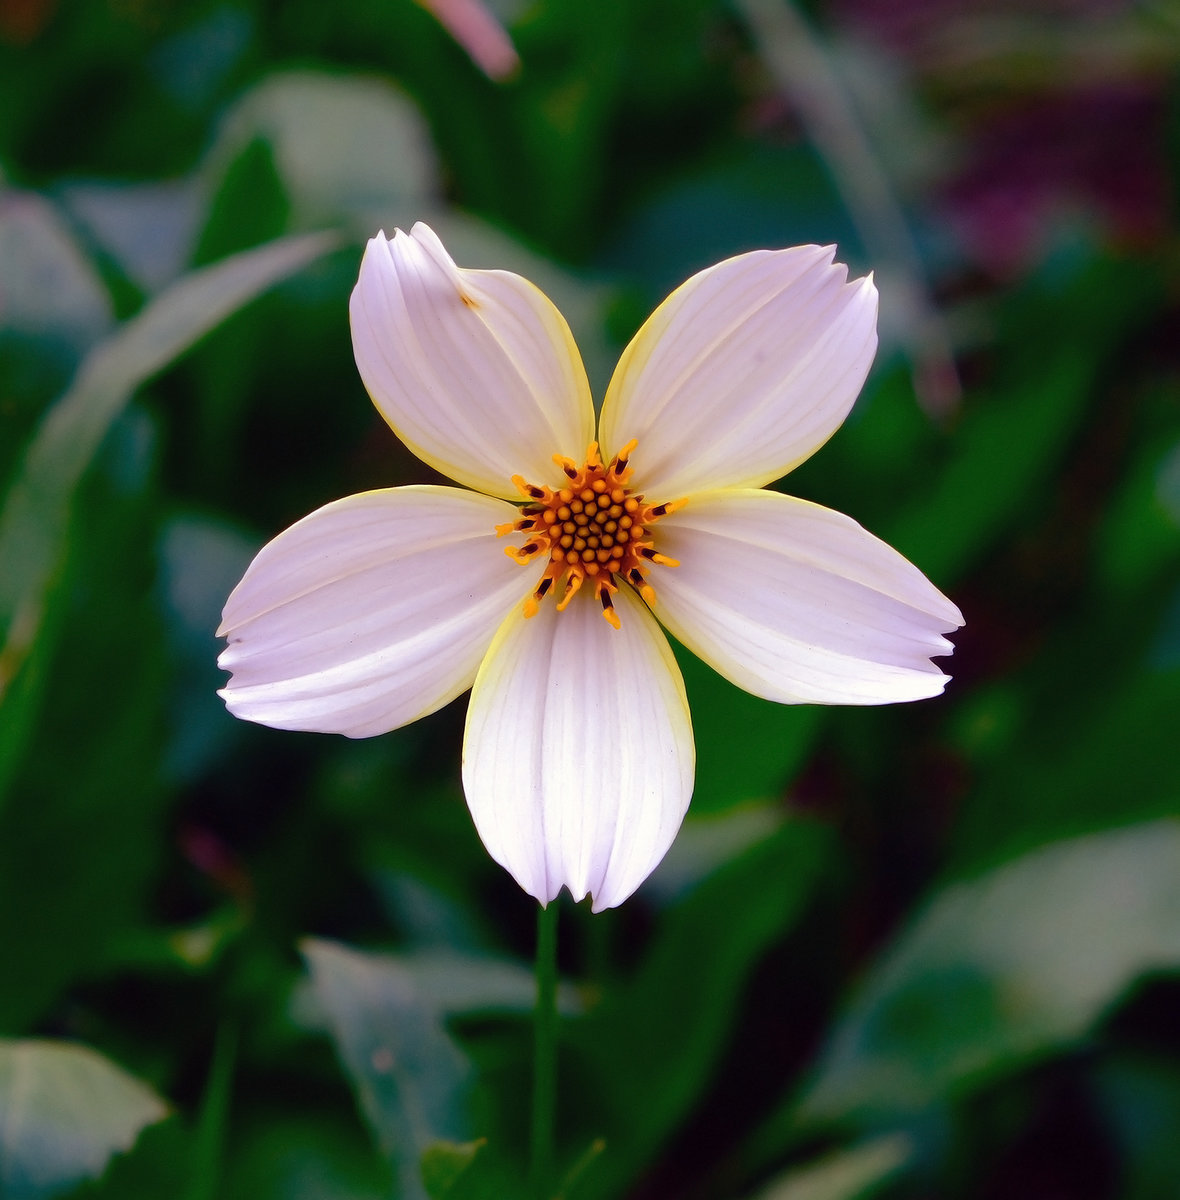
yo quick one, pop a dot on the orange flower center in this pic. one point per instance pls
(594, 528)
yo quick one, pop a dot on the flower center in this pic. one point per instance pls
(593, 528)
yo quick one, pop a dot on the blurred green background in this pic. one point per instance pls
(922, 951)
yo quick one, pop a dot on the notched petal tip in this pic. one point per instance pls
(367, 614)
(422, 233)
(744, 371)
(475, 371)
(799, 604)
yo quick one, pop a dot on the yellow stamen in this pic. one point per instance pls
(593, 528)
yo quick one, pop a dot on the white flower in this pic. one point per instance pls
(578, 756)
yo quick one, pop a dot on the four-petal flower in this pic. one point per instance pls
(578, 755)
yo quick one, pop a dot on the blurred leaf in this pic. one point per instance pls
(340, 145)
(1001, 969)
(309, 1153)
(200, 559)
(707, 841)
(249, 207)
(753, 195)
(64, 1111)
(84, 837)
(192, 65)
(1138, 531)
(844, 1175)
(444, 1164)
(146, 228)
(209, 1143)
(160, 1167)
(1165, 653)
(585, 1162)
(47, 286)
(53, 306)
(35, 520)
(467, 984)
(746, 749)
(652, 1057)
(1140, 1098)
(1010, 443)
(409, 1077)
(1095, 750)
(456, 984)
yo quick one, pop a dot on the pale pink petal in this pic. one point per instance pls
(578, 757)
(475, 371)
(369, 613)
(742, 373)
(799, 604)
(474, 27)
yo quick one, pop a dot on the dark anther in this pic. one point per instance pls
(636, 576)
(542, 588)
(607, 603)
(571, 471)
(659, 510)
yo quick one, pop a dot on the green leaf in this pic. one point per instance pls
(1001, 969)
(445, 1163)
(1012, 441)
(583, 1164)
(1093, 746)
(844, 1175)
(478, 984)
(50, 288)
(91, 822)
(318, 1152)
(1139, 1097)
(409, 1077)
(144, 229)
(213, 1122)
(340, 145)
(746, 749)
(34, 523)
(651, 1053)
(64, 1111)
(707, 841)
(250, 206)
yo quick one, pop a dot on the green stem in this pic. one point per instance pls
(545, 1053)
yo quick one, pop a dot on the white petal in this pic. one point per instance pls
(369, 613)
(743, 372)
(799, 604)
(475, 371)
(578, 758)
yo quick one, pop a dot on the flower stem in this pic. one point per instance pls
(545, 1052)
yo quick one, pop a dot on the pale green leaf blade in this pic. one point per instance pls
(341, 145)
(445, 1163)
(64, 1111)
(409, 1077)
(50, 289)
(1001, 969)
(845, 1174)
(34, 521)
